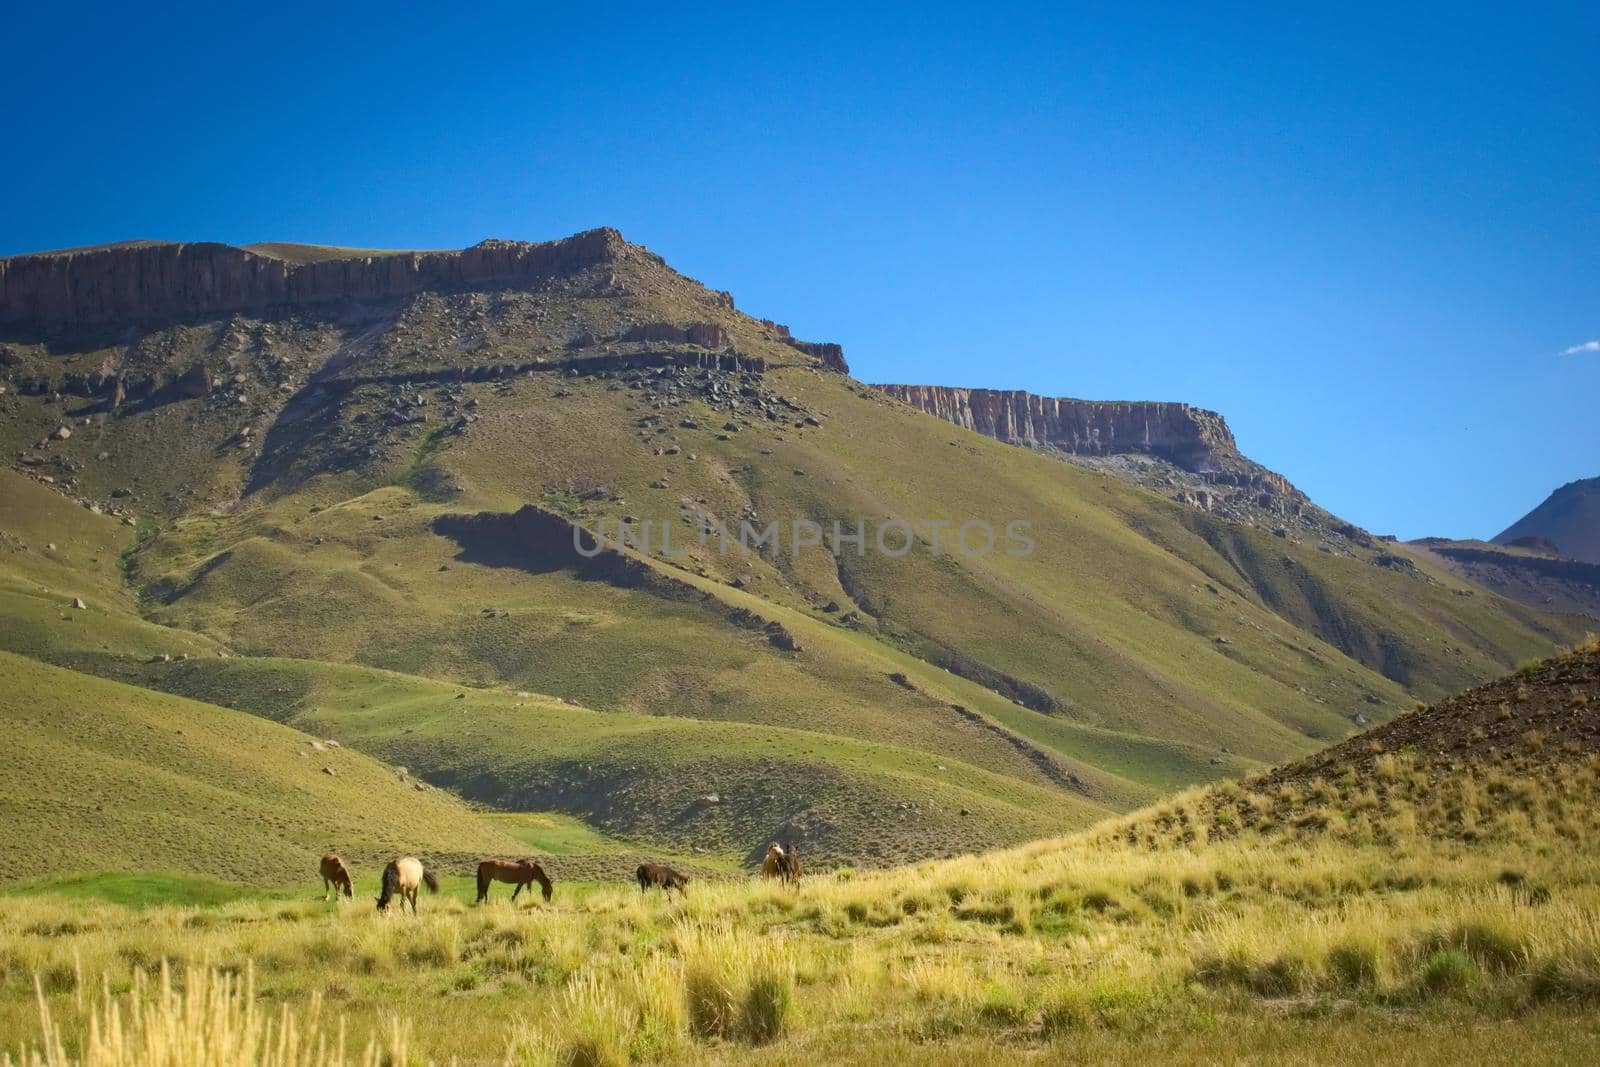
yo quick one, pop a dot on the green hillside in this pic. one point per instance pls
(336, 490)
(96, 776)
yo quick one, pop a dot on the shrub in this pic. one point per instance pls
(767, 1007)
(1357, 962)
(1283, 977)
(1493, 947)
(1066, 1008)
(1001, 1002)
(596, 1027)
(1447, 971)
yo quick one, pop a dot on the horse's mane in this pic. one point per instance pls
(391, 881)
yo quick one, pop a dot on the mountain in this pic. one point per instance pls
(360, 492)
(1569, 519)
(1186, 453)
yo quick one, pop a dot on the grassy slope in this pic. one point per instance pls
(632, 773)
(1117, 617)
(100, 776)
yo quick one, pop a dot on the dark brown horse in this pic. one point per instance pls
(335, 876)
(664, 878)
(517, 872)
(402, 877)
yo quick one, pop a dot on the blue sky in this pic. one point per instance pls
(1366, 236)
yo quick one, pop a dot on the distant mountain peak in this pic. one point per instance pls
(1569, 517)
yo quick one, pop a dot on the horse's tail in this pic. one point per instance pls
(483, 883)
(430, 881)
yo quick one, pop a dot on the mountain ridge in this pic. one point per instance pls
(290, 479)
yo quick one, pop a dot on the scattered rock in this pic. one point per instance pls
(61, 433)
(77, 602)
(780, 638)
(330, 772)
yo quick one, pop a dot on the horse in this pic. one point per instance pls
(783, 864)
(655, 874)
(335, 876)
(402, 876)
(518, 872)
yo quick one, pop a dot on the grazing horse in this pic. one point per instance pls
(782, 863)
(518, 872)
(335, 876)
(667, 879)
(403, 876)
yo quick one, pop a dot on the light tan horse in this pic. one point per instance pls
(403, 876)
(335, 876)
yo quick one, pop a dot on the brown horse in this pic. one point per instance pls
(518, 872)
(403, 876)
(665, 878)
(782, 863)
(335, 876)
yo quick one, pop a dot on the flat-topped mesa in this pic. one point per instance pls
(1189, 437)
(142, 282)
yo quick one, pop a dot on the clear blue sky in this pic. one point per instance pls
(1365, 236)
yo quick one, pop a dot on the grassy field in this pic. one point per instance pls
(1241, 951)
(1301, 916)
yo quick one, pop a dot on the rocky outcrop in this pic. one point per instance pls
(829, 354)
(156, 281)
(1189, 437)
(703, 334)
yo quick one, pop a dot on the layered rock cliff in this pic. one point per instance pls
(1185, 452)
(1187, 436)
(143, 282)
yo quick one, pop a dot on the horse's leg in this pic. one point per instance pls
(324, 890)
(517, 890)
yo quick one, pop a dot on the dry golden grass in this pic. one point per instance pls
(1086, 939)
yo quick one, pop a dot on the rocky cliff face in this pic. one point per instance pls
(1184, 452)
(1190, 437)
(152, 282)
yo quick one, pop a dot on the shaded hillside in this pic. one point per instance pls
(1569, 518)
(1533, 574)
(347, 481)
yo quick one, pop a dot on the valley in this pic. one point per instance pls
(298, 554)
